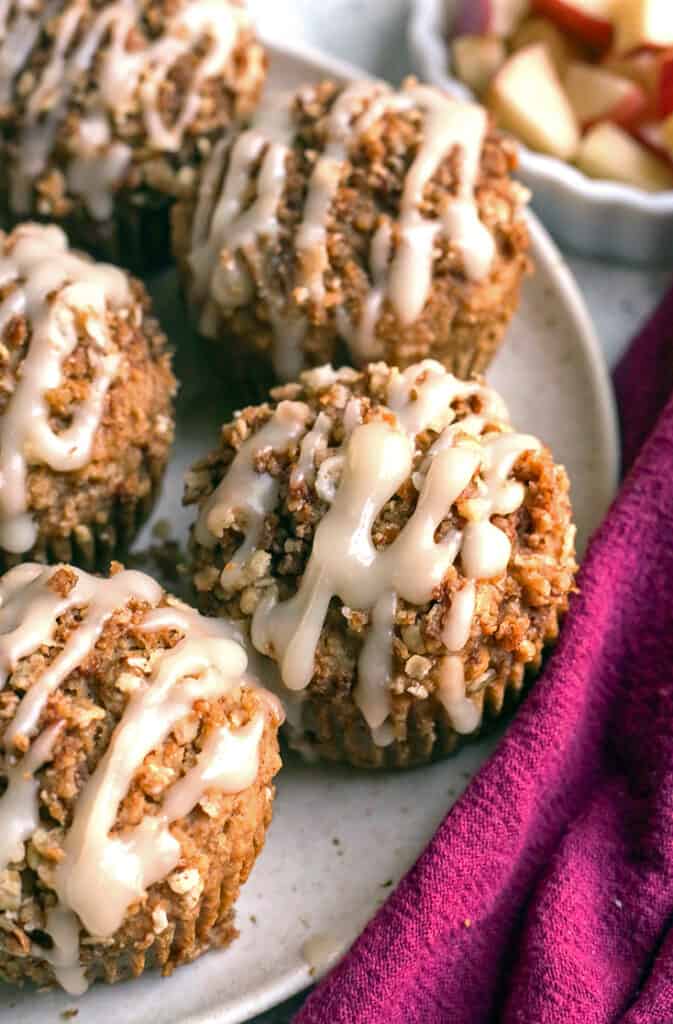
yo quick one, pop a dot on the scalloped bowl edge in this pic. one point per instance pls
(593, 218)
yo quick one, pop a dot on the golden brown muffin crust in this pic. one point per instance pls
(517, 614)
(153, 176)
(463, 320)
(84, 514)
(192, 909)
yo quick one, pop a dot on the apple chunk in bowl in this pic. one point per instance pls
(593, 115)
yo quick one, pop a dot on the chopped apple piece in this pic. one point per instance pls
(540, 30)
(650, 135)
(608, 152)
(642, 68)
(667, 135)
(589, 20)
(476, 59)
(527, 99)
(643, 23)
(665, 84)
(488, 17)
(597, 95)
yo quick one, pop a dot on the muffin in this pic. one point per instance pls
(106, 109)
(138, 766)
(86, 394)
(392, 543)
(355, 223)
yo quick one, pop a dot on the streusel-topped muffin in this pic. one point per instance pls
(107, 107)
(395, 546)
(86, 402)
(138, 759)
(355, 223)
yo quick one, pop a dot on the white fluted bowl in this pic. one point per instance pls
(594, 218)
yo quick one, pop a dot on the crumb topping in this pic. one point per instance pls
(351, 213)
(103, 96)
(487, 613)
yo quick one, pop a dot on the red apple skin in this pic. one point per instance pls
(596, 95)
(597, 32)
(649, 134)
(629, 111)
(488, 17)
(472, 18)
(665, 85)
(643, 69)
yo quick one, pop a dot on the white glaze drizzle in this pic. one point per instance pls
(205, 664)
(447, 123)
(376, 461)
(456, 631)
(125, 865)
(311, 446)
(60, 293)
(97, 166)
(311, 237)
(361, 336)
(245, 490)
(401, 254)
(29, 611)
(62, 925)
(228, 226)
(375, 666)
(344, 561)
(121, 75)
(18, 804)
(18, 39)
(465, 715)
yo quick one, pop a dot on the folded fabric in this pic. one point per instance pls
(546, 896)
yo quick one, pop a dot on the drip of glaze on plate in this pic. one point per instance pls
(63, 297)
(373, 463)
(226, 233)
(321, 951)
(205, 664)
(84, 38)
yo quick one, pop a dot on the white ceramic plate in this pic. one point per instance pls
(595, 218)
(341, 838)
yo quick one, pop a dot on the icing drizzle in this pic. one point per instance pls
(227, 229)
(204, 665)
(88, 39)
(62, 295)
(375, 460)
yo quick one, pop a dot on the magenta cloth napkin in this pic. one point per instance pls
(546, 896)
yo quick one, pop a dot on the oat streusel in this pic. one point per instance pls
(86, 402)
(400, 551)
(137, 767)
(107, 107)
(355, 223)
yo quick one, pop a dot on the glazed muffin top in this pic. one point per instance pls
(85, 380)
(342, 204)
(95, 94)
(397, 506)
(125, 715)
